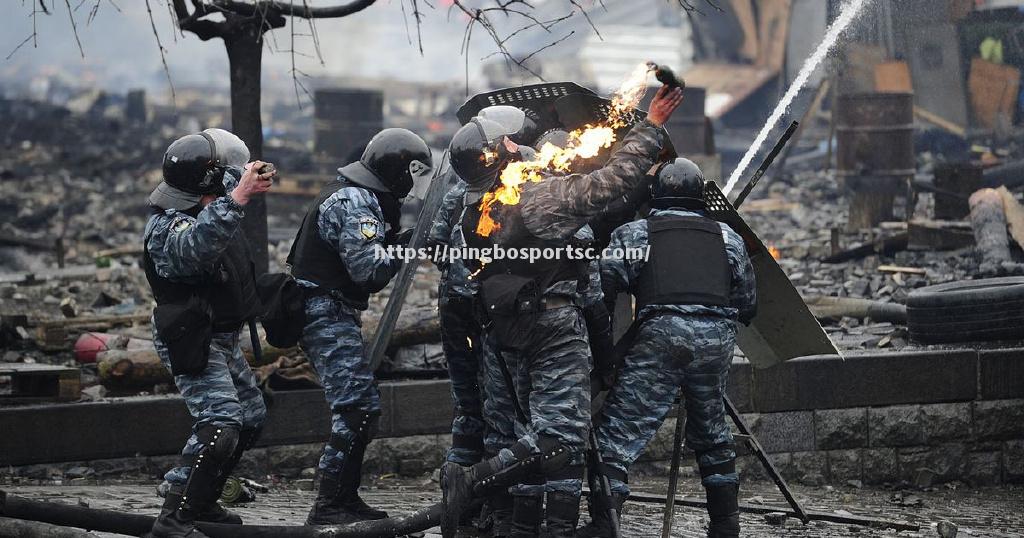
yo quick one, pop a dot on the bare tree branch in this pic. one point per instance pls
(74, 27)
(303, 10)
(163, 59)
(193, 22)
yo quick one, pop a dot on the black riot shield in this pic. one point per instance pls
(784, 327)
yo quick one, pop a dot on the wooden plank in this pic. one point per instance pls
(893, 77)
(993, 92)
(773, 26)
(744, 12)
(939, 121)
(939, 235)
(31, 383)
(727, 85)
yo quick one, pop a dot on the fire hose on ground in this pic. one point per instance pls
(137, 525)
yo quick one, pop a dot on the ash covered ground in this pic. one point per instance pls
(982, 512)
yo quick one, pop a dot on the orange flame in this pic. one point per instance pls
(584, 143)
(776, 253)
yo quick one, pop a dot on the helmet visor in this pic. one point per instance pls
(229, 150)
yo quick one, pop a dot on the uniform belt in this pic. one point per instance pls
(546, 303)
(551, 303)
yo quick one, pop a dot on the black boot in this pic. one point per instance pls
(461, 487)
(600, 525)
(352, 473)
(184, 504)
(526, 516)
(173, 522)
(562, 514)
(724, 510)
(331, 506)
(499, 515)
(213, 513)
(337, 501)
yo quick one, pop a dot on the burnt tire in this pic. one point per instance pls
(967, 310)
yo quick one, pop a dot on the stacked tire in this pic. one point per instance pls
(967, 311)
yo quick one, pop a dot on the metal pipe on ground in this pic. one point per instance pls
(137, 525)
(837, 307)
(813, 515)
(19, 528)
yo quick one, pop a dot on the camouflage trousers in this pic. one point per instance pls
(224, 394)
(334, 344)
(671, 352)
(460, 339)
(549, 362)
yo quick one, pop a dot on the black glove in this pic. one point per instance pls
(399, 238)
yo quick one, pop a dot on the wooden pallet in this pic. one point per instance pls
(31, 383)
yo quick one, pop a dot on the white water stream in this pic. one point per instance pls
(847, 16)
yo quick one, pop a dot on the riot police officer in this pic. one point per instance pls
(532, 312)
(198, 263)
(460, 330)
(339, 257)
(695, 285)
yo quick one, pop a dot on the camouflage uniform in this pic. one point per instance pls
(351, 222)
(676, 346)
(499, 410)
(550, 356)
(460, 330)
(186, 249)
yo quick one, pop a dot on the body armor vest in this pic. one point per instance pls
(317, 261)
(230, 291)
(515, 235)
(687, 264)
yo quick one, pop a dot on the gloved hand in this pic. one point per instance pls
(400, 238)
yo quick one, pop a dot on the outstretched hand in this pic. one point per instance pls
(253, 182)
(663, 104)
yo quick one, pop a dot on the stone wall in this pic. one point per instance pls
(979, 443)
(922, 417)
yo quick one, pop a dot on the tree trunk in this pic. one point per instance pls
(244, 45)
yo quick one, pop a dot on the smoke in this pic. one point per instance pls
(847, 16)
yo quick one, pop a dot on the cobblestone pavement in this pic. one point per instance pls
(989, 512)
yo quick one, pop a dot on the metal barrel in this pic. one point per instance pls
(875, 152)
(875, 135)
(343, 120)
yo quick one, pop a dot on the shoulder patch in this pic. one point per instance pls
(368, 226)
(180, 224)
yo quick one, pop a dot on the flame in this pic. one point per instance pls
(584, 143)
(776, 253)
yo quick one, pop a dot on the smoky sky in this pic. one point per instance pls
(121, 51)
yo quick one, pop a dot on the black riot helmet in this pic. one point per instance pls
(194, 166)
(392, 162)
(190, 165)
(679, 183)
(478, 153)
(520, 125)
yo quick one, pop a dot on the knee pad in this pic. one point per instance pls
(555, 455)
(219, 442)
(363, 424)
